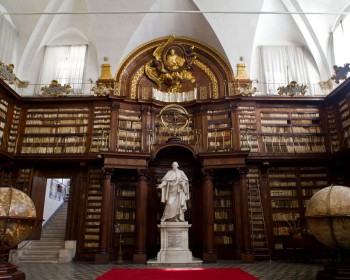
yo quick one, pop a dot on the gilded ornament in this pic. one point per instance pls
(139, 73)
(171, 65)
(174, 119)
(101, 90)
(340, 72)
(56, 89)
(211, 75)
(293, 88)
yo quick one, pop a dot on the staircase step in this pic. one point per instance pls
(46, 250)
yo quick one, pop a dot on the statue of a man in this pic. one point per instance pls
(175, 193)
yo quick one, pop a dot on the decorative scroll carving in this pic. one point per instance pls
(248, 91)
(292, 89)
(6, 73)
(341, 72)
(211, 75)
(56, 89)
(135, 79)
(101, 90)
(171, 65)
(107, 172)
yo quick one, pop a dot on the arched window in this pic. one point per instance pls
(279, 65)
(64, 64)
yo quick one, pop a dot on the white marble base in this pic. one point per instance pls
(174, 244)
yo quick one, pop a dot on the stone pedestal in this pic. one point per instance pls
(174, 244)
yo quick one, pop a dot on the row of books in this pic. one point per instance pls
(223, 203)
(291, 129)
(283, 192)
(120, 215)
(284, 203)
(126, 193)
(129, 203)
(291, 216)
(55, 130)
(57, 115)
(223, 214)
(223, 227)
(53, 150)
(223, 240)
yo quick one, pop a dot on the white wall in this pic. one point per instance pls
(51, 204)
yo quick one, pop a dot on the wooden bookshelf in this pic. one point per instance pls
(224, 229)
(248, 128)
(292, 130)
(125, 213)
(14, 130)
(129, 130)
(3, 115)
(332, 129)
(55, 131)
(6, 179)
(93, 210)
(101, 129)
(219, 130)
(312, 179)
(257, 219)
(284, 201)
(24, 178)
(344, 119)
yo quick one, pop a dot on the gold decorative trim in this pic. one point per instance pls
(210, 74)
(136, 52)
(139, 73)
(56, 89)
(293, 88)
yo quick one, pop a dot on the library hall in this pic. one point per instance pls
(174, 139)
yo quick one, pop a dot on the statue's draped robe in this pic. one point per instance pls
(175, 194)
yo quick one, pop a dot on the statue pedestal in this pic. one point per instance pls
(174, 244)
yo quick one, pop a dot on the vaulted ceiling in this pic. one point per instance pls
(114, 28)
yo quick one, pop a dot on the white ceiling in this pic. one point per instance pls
(114, 28)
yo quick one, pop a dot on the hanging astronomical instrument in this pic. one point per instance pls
(174, 119)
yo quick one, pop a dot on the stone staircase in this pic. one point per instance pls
(47, 249)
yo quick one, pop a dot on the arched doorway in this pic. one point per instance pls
(157, 169)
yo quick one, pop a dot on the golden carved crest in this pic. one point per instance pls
(171, 65)
(56, 89)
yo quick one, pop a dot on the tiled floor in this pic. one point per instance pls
(264, 270)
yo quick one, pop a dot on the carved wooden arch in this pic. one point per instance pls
(179, 146)
(209, 69)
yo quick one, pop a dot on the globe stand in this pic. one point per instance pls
(333, 272)
(340, 269)
(9, 271)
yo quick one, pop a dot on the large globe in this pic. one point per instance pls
(328, 216)
(17, 217)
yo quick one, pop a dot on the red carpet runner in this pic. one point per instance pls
(176, 274)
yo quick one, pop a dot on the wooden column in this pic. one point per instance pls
(140, 255)
(114, 126)
(106, 217)
(247, 254)
(209, 254)
(235, 129)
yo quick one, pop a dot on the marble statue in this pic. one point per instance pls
(175, 193)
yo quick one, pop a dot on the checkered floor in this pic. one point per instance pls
(264, 270)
